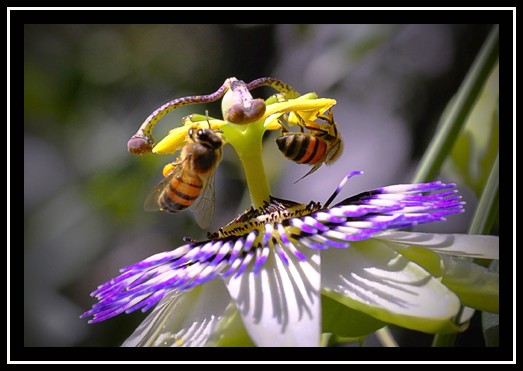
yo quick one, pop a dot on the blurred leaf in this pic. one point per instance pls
(120, 192)
(42, 103)
(459, 109)
(368, 45)
(477, 145)
(487, 211)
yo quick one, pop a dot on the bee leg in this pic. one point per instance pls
(301, 122)
(329, 118)
(284, 130)
(314, 168)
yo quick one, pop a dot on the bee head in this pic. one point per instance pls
(206, 137)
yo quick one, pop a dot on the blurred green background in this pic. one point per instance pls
(87, 89)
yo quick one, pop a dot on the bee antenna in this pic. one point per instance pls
(340, 186)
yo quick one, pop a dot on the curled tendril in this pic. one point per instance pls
(244, 108)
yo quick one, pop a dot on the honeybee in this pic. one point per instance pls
(322, 144)
(190, 180)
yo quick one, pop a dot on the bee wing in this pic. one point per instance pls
(334, 153)
(203, 207)
(151, 202)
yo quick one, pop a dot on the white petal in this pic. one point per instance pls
(182, 319)
(474, 246)
(466, 315)
(281, 306)
(376, 280)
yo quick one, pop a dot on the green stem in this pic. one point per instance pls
(255, 175)
(247, 142)
(488, 203)
(444, 340)
(386, 338)
(469, 91)
(444, 139)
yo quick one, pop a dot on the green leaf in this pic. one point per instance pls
(476, 286)
(487, 211)
(477, 146)
(346, 322)
(120, 192)
(459, 110)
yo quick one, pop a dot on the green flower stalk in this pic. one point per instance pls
(267, 276)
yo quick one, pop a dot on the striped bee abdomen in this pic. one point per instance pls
(182, 191)
(302, 148)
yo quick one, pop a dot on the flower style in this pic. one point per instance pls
(268, 276)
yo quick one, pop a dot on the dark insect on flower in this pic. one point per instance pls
(190, 181)
(321, 144)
